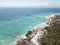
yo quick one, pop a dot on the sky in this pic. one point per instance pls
(30, 3)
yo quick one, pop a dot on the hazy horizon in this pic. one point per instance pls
(30, 3)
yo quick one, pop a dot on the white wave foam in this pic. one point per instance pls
(45, 16)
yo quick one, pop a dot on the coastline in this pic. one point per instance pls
(15, 22)
(42, 25)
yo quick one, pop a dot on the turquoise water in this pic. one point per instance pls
(17, 25)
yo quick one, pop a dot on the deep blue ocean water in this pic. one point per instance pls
(16, 21)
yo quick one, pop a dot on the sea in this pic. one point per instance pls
(16, 22)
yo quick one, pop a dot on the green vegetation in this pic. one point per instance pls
(53, 36)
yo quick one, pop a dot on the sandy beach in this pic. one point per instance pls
(39, 33)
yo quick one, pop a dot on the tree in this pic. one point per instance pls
(53, 37)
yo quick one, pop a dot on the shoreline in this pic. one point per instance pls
(23, 35)
(42, 25)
